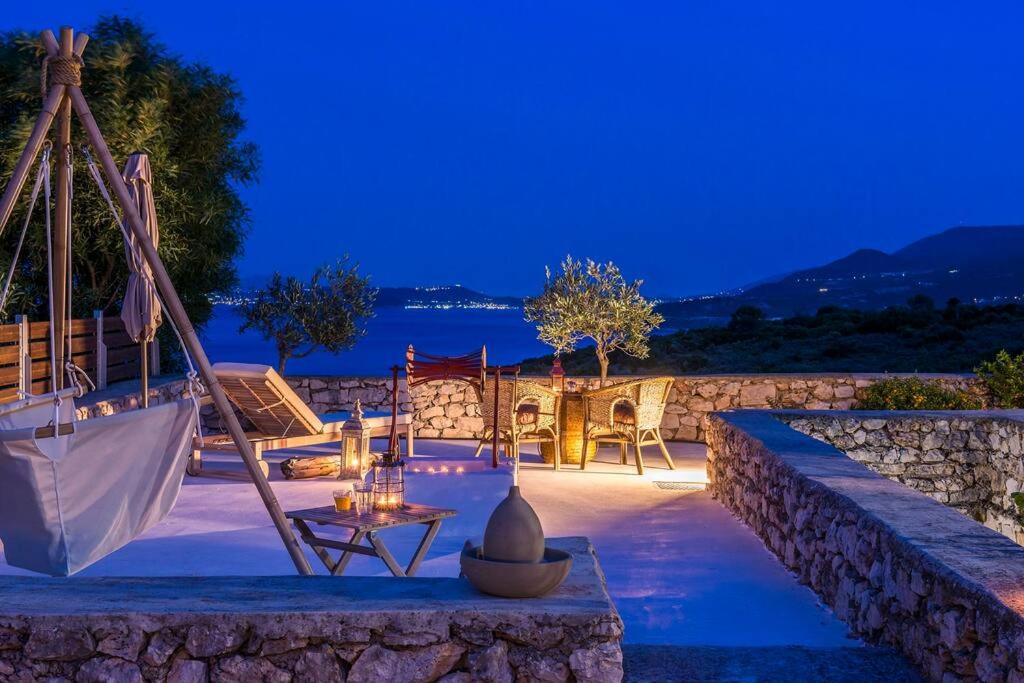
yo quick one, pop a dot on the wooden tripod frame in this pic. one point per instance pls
(60, 100)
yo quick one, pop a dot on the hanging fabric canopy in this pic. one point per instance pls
(141, 310)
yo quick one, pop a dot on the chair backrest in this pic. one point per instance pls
(514, 392)
(266, 400)
(424, 367)
(647, 397)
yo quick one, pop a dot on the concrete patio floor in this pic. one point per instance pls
(680, 568)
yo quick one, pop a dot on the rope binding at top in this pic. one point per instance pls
(60, 70)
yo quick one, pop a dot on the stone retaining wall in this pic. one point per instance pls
(359, 629)
(969, 461)
(451, 411)
(896, 565)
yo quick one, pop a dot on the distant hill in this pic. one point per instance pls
(979, 264)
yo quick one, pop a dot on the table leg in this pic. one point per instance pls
(346, 555)
(307, 535)
(384, 553)
(421, 550)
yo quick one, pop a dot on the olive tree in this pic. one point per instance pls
(327, 312)
(593, 301)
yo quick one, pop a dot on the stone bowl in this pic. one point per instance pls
(515, 579)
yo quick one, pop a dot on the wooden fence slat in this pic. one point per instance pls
(100, 345)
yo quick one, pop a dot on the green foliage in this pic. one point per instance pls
(1004, 377)
(912, 393)
(897, 339)
(327, 312)
(593, 301)
(185, 116)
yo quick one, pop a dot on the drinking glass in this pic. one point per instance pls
(363, 497)
(342, 500)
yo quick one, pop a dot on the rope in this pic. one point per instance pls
(60, 70)
(44, 170)
(195, 384)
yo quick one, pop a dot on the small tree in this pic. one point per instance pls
(1004, 378)
(593, 301)
(300, 317)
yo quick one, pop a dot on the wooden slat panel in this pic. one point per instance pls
(40, 350)
(123, 355)
(117, 376)
(10, 354)
(9, 375)
(39, 328)
(9, 333)
(112, 323)
(83, 326)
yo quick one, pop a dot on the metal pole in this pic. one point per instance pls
(188, 333)
(144, 368)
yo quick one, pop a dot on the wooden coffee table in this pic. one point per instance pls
(366, 526)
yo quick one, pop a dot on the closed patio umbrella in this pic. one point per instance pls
(141, 312)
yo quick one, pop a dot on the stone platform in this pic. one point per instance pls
(312, 628)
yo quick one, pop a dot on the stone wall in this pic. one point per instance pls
(969, 461)
(451, 410)
(359, 629)
(896, 565)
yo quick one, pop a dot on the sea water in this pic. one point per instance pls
(455, 331)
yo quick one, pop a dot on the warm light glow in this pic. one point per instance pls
(460, 469)
(444, 469)
(430, 469)
(389, 503)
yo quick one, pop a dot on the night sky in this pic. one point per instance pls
(699, 145)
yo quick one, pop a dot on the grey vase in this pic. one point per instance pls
(513, 532)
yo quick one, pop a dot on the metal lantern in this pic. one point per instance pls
(355, 446)
(388, 482)
(557, 375)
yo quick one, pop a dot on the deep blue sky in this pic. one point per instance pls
(699, 145)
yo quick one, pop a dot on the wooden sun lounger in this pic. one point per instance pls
(282, 419)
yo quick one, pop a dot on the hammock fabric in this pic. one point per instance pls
(71, 500)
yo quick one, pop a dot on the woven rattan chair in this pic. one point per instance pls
(527, 412)
(627, 413)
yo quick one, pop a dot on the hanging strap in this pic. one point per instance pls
(192, 378)
(42, 175)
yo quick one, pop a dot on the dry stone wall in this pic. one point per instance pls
(452, 411)
(969, 461)
(896, 565)
(307, 629)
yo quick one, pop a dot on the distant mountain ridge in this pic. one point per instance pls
(984, 263)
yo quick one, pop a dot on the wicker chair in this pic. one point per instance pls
(527, 412)
(627, 413)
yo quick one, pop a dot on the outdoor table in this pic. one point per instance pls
(570, 429)
(366, 526)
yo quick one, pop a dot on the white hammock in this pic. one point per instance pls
(68, 501)
(72, 492)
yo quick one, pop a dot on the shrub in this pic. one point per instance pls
(912, 393)
(1004, 377)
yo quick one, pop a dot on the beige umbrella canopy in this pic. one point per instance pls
(141, 311)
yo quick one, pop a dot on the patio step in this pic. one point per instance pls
(785, 664)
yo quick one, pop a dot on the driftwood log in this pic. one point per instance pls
(307, 468)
